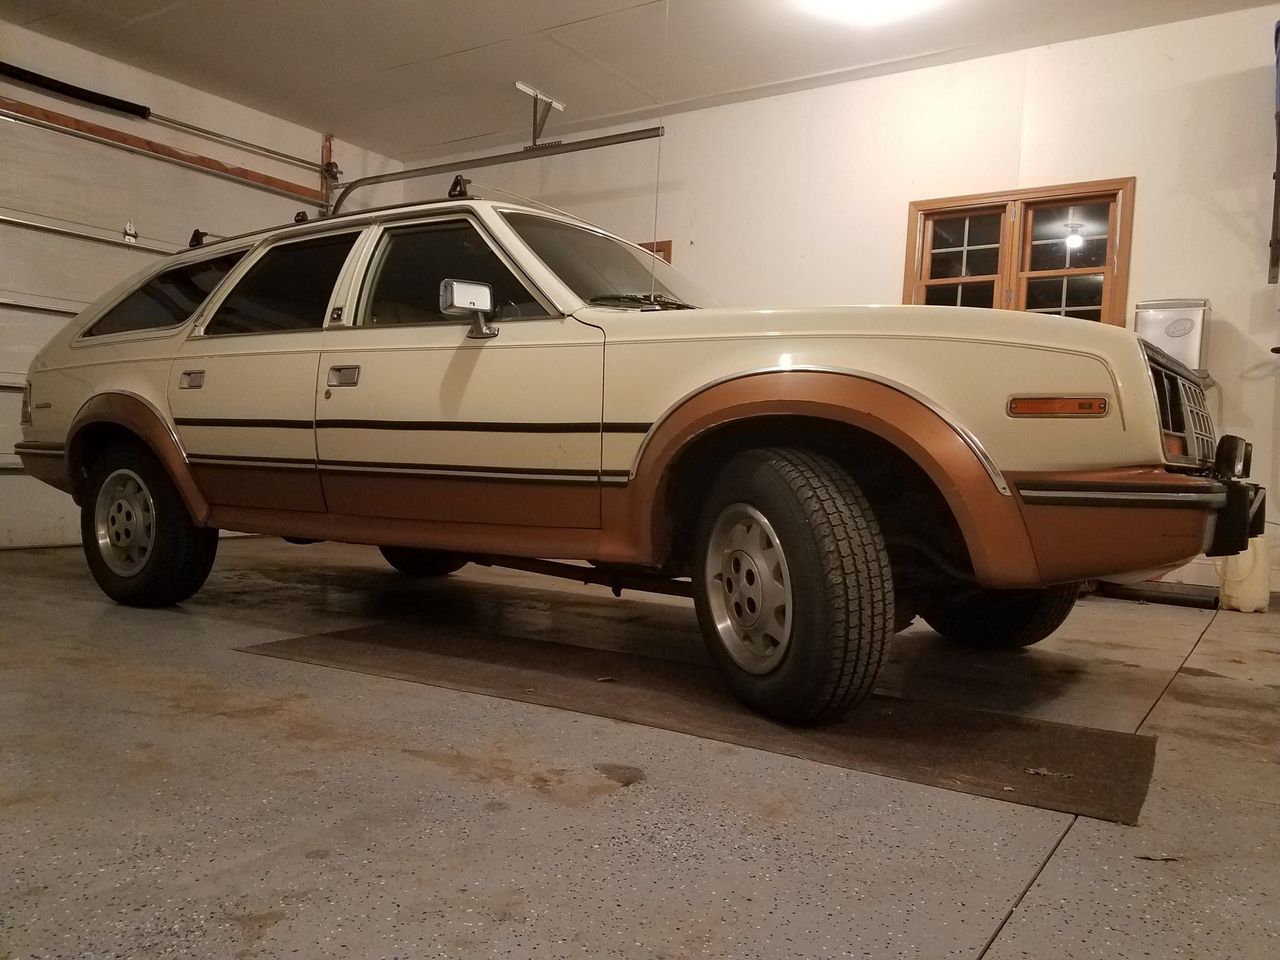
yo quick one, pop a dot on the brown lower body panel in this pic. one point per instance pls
(266, 488)
(516, 503)
(1081, 543)
(1087, 539)
(502, 540)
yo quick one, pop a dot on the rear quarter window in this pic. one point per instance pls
(166, 300)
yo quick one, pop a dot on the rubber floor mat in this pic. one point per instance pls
(1079, 770)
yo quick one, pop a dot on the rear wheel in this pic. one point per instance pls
(1003, 619)
(792, 585)
(140, 543)
(423, 563)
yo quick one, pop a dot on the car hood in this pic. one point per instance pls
(888, 321)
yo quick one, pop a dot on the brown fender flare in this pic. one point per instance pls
(990, 521)
(140, 418)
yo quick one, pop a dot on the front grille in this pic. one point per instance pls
(1183, 412)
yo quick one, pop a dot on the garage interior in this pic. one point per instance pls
(319, 756)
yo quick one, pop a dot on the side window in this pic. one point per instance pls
(404, 282)
(166, 300)
(287, 289)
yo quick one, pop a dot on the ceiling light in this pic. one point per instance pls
(1074, 240)
(867, 13)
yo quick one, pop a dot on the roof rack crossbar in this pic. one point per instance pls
(527, 153)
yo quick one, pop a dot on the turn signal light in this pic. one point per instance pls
(1174, 445)
(1057, 406)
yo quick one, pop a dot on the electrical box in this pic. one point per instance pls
(1178, 327)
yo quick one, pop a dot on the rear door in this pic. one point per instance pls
(417, 421)
(242, 387)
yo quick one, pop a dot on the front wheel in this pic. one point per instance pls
(423, 563)
(792, 585)
(142, 547)
(1003, 619)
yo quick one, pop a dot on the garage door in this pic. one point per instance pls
(64, 205)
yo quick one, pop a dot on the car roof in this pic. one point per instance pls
(398, 211)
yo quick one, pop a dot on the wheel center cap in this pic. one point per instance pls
(742, 593)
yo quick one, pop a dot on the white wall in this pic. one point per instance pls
(66, 181)
(802, 198)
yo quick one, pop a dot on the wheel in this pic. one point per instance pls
(792, 585)
(1003, 619)
(422, 563)
(141, 545)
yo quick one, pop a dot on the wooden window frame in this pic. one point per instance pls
(1012, 278)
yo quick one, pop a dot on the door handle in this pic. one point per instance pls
(343, 376)
(191, 380)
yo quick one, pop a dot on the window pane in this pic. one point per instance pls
(413, 262)
(1057, 222)
(949, 263)
(288, 289)
(1085, 313)
(166, 300)
(1093, 253)
(1044, 293)
(1084, 291)
(984, 229)
(982, 263)
(946, 295)
(948, 233)
(978, 294)
(1049, 256)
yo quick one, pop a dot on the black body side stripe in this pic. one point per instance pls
(443, 426)
(482, 426)
(229, 422)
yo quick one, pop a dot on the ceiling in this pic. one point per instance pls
(414, 79)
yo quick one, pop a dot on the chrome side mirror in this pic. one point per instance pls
(462, 298)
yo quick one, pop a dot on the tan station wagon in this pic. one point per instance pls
(469, 380)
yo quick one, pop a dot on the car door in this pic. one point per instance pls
(242, 386)
(415, 420)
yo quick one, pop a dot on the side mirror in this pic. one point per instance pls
(462, 298)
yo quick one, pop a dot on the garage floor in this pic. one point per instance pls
(163, 795)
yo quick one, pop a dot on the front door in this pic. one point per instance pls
(242, 387)
(414, 420)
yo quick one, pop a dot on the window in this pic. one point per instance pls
(288, 288)
(167, 300)
(1057, 250)
(600, 269)
(408, 267)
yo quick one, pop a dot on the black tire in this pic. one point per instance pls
(413, 562)
(178, 556)
(1003, 619)
(841, 587)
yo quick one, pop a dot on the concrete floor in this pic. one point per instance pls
(162, 795)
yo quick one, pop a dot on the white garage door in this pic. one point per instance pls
(64, 204)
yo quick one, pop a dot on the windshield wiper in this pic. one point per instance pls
(655, 301)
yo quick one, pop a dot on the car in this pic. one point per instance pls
(481, 380)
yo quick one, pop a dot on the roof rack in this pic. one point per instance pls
(526, 153)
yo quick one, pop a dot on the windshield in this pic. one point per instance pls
(605, 271)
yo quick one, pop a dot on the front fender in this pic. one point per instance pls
(987, 514)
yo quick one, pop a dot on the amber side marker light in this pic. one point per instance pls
(1057, 406)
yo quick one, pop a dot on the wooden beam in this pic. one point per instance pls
(162, 151)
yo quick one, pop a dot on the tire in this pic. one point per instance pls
(140, 543)
(1003, 619)
(805, 646)
(422, 563)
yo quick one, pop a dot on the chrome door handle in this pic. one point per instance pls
(191, 380)
(343, 376)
